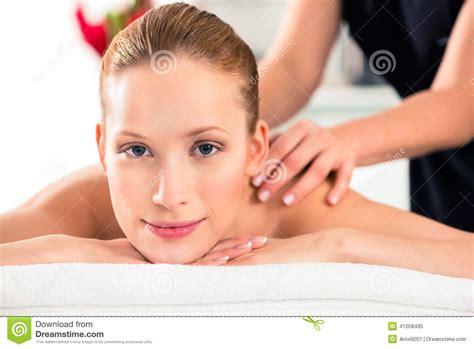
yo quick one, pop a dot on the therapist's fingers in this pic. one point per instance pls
(274, 137)
(341, 184)
(294, 163)
(315, 175)
(282, 145)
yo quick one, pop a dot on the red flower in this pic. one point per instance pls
(100, 35)
(95, 35)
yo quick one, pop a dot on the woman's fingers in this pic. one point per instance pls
(217, 261)
(238, 250)
(257, 241)
(220, 257)
(231, 252)
(228, 243)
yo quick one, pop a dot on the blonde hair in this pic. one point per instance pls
(183, 29)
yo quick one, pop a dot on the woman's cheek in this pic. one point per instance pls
(126, 195)
(221, 190)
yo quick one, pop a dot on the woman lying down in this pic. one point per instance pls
(179, 140)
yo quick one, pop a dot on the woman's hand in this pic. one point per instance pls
(305, 144)
(228, 249)
(60, 248)
(322, 246)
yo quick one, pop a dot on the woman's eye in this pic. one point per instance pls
(136, 151)
(206, 149)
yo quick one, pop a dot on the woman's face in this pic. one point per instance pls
(176, 148)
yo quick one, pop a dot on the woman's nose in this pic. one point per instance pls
(171, 191)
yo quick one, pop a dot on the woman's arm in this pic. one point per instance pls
(359, 213)
(453, 257)
(79, 205)
(441, 117)
(60, 248)
(364, 231)
(293, 67)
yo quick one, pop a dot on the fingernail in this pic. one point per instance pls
(333, 199)
(246, 245)
(288, 199)
(221, 259)
(259, 239)
(263, 196)
(257, 181)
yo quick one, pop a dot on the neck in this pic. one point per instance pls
(253, 217)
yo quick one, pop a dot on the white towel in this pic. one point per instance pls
(270, 289)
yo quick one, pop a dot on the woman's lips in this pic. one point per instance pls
(173, 230)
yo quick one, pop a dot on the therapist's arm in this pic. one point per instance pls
(293, 67)
(426, 122)
(438, 118)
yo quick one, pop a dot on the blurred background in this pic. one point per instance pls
(50, 102)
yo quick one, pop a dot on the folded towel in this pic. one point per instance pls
(270, 289)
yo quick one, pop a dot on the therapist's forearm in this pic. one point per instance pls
(279, 98)
(294, 64)
(445, 257)
(425, 122)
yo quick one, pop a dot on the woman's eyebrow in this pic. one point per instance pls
(189, 134)
(130, 133)
(204, 129)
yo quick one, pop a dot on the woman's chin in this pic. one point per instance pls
(172, 257)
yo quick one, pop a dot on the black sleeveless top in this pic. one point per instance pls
(415, 33)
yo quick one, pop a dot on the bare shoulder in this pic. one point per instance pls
(313, 213)
(86, 192)
(77, 205)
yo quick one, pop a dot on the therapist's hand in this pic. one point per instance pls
(305, 144)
